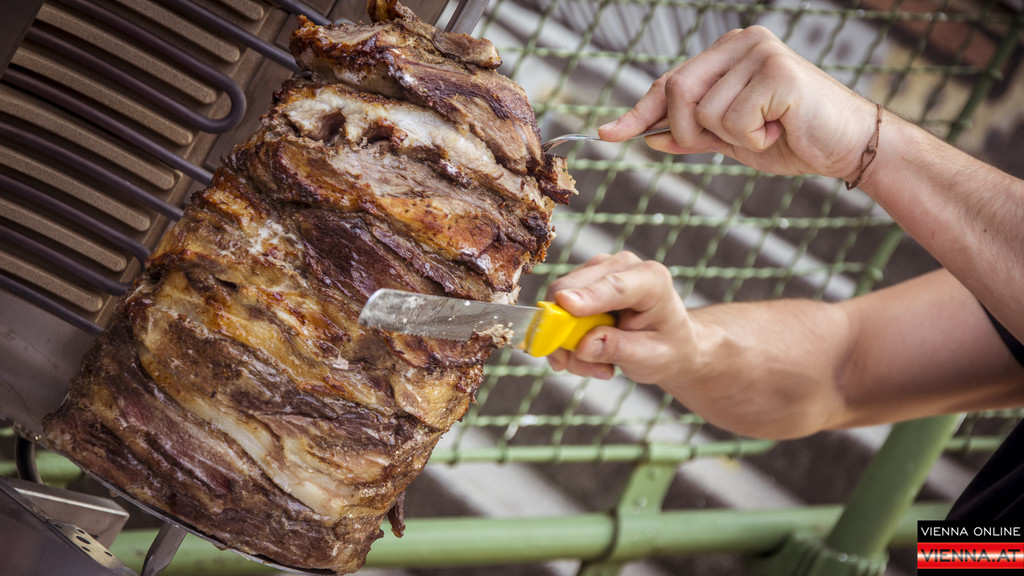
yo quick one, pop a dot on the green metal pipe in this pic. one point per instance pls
(873, 512)
(974, 444)
(58, 470)
(434, 542)
(651, 452)
(483, 541)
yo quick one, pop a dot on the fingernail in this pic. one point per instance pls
(558, 360)
(594, 349)
(608, 125)
(571, 294)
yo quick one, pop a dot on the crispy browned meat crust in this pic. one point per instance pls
(449, 73)
(234, 389)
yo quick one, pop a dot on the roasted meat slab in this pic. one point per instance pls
(234, 389)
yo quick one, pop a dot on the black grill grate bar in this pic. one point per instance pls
(26, 192)
(50, 305)
(46, 91)
(134, 84)
(230, 30)
(56, 259)
(167, 50)
(299, 8)
(123, 186)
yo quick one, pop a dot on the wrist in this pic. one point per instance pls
(862, 170)
(710, 350)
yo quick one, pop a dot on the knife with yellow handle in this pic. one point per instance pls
(537, 330)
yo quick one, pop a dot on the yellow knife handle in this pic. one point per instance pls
(555, 328)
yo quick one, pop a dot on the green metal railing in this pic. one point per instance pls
(637, 529)
(727, 233)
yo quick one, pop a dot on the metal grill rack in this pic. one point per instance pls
(112, 111)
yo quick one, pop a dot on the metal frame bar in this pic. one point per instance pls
(454, 542)
(18, 16)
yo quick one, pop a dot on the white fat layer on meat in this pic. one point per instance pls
(506, 297)
(286, 463)
(270, 241)
(404, 78)
(269, 232)
(423, 128)
(485, 263)
(284, 458)
(307, 339)
(234, 322)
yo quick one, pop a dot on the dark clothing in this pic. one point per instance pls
(997, 492)
(1015, 346)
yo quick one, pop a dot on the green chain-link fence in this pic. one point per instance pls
(725, 231)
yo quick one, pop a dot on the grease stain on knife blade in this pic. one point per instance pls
(448, 318)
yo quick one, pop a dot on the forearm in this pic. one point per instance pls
(789, 368)
(751, 97)
(765, 369)
(967, 214)
(921, 348)
(790, 352)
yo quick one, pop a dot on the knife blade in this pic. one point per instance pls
(537, 330)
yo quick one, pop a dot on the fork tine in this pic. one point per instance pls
(559, 140)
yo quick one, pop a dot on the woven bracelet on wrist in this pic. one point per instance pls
(870, 152)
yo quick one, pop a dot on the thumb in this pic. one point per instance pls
(768, 135)
(639, 354)
(648, 110)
